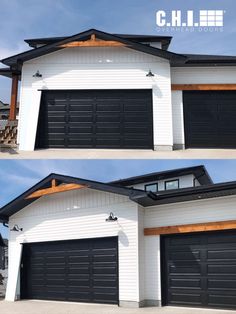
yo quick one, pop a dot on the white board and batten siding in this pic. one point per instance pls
(201, 211)
(97, 68)
(194, 75)
(80, 214)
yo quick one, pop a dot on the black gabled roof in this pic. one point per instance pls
(199, 172)
(141, 197)
(20, 202)
(18, 59)
(165, 40)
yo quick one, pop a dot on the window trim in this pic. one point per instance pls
(168, 181)
(154, 183)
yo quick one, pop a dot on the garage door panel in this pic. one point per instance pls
(211, 269)
(190, 298)
(108, 128)
(108, 117)
(83, 128)
(221, 284)
(126, 114)
(77, 270)
(221, 255)
(209, 119)
(217, 300)
(185, 269)
(109, 107)
(185, 255)
(190, 283)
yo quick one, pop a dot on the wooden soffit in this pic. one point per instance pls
(93, 42)
(56, 189)
(200, 227)
(203, 87)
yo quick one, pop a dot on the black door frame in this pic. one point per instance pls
(23, 282)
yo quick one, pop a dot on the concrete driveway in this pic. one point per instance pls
(11, 153)
(39, 307)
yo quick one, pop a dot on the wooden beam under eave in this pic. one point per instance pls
(14, 92)
(56, 189)
(203, 87)
(93, 43)
(200, 227)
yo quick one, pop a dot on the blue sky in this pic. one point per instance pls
(21, 19)
(16, 176)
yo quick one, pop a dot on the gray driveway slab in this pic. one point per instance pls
(39, 307)
(11, 153)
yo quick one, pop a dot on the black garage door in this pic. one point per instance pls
(81, 270)
(210, 119)
(96, 119)
(200, 270)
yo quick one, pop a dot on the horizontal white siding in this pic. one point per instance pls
(184, 182)
(217, 209)
(96, 68)
(214, 209)
(203, 75)
(80, 214)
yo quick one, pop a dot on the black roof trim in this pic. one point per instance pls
(20, 202)
(200, 173)
(196, 60)
(189, 194)
(37, 52)
(165, 40)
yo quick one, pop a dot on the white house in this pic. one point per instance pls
(101, 90)
(164, 238)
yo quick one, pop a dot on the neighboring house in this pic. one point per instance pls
(5, 110)
(165, 238)
(102, 90)
(3, 265)
(3, 253)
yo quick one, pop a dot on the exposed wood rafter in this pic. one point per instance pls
(200, 227)
(93, 42)
(56, 189)
(203, 86)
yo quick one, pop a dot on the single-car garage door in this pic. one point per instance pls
(96, 119)
(80, 270)
(200, 270)
(210, 119)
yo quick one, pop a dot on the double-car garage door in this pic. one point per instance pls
(96, 119)
(80, 270)
(210, 119)
(200, 270)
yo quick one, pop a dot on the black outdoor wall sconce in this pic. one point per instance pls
(111, 218)
(16, 228)
(150, 74)
(37, 74)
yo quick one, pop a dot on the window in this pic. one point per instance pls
(153, 187)
(172, 184)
